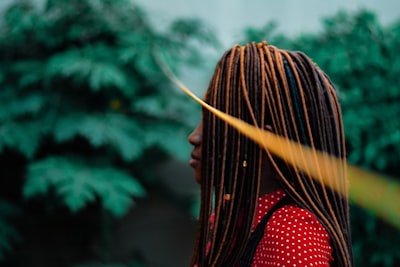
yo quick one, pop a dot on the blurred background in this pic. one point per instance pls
(93, 137)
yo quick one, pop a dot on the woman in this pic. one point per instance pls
(256, 209)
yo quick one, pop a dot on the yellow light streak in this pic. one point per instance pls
(372, 191)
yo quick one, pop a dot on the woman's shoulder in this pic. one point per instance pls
(298, 222)
(295, 215)
(294, 235)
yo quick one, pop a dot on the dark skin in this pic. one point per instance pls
(195, 138)
(269, 176)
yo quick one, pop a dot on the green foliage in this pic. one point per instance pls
(79, 182)
(93, 65)
(362, 58)
(83, 100)
(113, 130)
(22, 136)
(375, 238)
(73, 71)
(364, 62)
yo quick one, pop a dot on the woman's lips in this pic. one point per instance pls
(194, 161)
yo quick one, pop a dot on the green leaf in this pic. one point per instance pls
(152, 105)
(91, 126)
(14, 106)
(69, 64)
(147, 66)
(29, 72)
(79, 182)
(112, 129)
(105, 75)
(24, 136)
(91, 66)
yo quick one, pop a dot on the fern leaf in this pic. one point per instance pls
(79, 182)
(77, 192)
(115, 130)
(22, 136)
(93, 127)
(14, 106)
(127, 140)
(105, 75)
(147, 66)
(151, 105)
(28, 71)
(90, 66)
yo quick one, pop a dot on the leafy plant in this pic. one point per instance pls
(79, 182)
(85, 102)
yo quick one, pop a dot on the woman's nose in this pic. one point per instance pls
(195, 137)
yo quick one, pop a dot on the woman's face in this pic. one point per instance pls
(196, 138)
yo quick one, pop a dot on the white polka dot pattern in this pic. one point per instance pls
(293, 237)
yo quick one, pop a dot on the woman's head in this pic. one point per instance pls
(288, 94)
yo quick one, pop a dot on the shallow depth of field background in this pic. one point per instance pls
(93, 136)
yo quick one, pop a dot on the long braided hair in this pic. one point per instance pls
(264, 85)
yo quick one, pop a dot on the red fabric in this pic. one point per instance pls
(293, 236)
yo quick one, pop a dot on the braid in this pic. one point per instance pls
(263, 85)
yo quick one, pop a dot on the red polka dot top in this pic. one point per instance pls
(293, 236)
